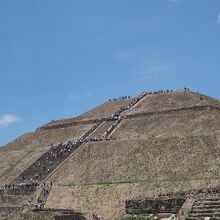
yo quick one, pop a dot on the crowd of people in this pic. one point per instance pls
(25, 185)
(120, 98)
(43, 197)
(39, 204)
(110, 129)
(94, 139)
(43, 167)
(54, 155)
(118, 117)
(164, 91)
(61, 149)
(148, 93)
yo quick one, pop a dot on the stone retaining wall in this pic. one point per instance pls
(154, 206)
(145, 114)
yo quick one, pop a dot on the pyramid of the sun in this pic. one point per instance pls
(130, 149)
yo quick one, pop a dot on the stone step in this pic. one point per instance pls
(205, 211)
(145, 211)
(207, 203)
(210, 199)
(199, 218)
(205, 214)
(206, 207)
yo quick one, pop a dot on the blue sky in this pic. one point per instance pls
(59, 58)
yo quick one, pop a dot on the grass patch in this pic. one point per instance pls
(135, 181)
(213, 101)
(115, 182)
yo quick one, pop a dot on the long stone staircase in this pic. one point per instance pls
(43, 167)
(43, 196)
(99, 133)
(203, 208)
(121, 114)
(113, 128)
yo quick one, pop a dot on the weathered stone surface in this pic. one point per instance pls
(166, 145)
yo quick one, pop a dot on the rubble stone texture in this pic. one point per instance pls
(167, 144)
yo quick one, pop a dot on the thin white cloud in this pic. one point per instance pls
(218, 18)
(74, 96)
(151, 68)
(149, 72)
(7, 119)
